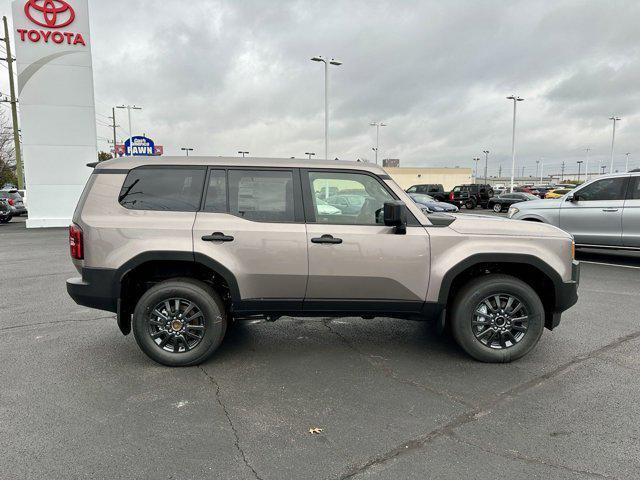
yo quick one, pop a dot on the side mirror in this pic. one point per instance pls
(395, 215)
(573, 197)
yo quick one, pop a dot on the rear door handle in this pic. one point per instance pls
(217, 237)
(326, 239)
(610, 209)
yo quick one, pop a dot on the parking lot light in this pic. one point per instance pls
(515, 99)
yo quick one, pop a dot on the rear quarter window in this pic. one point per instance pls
(173, 189)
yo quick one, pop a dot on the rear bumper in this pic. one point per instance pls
(566, 296)
(94, 289)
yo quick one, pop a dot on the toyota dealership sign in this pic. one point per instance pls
(57, 109)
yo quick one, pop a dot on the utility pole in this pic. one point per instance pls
(579, 162)
(500, 171)
(613, 139)
(563, 165)
(515, 99)
(586, 167)
(114, 126)
(486, 161)
(244, 153)
(310, 154)
(187, 150)
(129, 108)
(14, 105)
(603, 168)
(523, 172)
(626, 168)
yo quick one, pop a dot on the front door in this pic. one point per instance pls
(595, 218)
(253, 225)
(355, 261)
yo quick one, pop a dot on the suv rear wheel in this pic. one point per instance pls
(497, 318)
(470, 204)
(179, 322)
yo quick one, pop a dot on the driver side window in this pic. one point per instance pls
(348, 198)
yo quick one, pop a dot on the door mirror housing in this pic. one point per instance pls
(395, 215)
(573, 197)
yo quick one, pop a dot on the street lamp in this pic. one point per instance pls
(586, 167)
(187, 150)
(129, 108)
(310, 154)
(613, 139)
(515, 99)
(486, 161)
(377, 125)
(243, 153)
(541, 168)
(579, 162)
(626, 167)
(326, 99)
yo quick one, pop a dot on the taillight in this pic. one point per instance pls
(11, 201)
(450, 195)
(75, 242)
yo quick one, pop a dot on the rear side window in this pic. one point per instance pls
(634, 189)
(173, 189)
(262, 195)
(605, 189)
(216, 199)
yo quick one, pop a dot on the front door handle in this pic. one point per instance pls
(609, 209)
(217, 237)
(326, 239)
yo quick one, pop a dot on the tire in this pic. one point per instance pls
(4, 220)
(497, 207)
(470, 204)
(470, 337)
(207, 303)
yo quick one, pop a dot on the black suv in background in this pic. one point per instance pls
(435, 190)
(471, 195)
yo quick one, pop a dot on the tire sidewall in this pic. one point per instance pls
(206, 300)
(476, 291)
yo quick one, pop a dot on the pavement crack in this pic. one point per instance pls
(54, 322)
(374, 361)
(231, 424)
(476, 413)
(516, 455)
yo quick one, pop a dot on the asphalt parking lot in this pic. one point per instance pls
(392, 398)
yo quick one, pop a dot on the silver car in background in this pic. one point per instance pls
(604, 212)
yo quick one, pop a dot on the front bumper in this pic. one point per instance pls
(95, 289)
(566, 296)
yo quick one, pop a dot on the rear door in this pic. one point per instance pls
(354, 259)
(596, 217)
(631, 215)
(252, 223)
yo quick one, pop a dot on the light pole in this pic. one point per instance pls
(475, 175)
(326, 99)
(187, 150)
(579, 162)
(243, 153)
(486, 162)
(603, 168)
(377, 125)
(586, 167)
(541, 168)
(310, 154)
(515, 99)
(613, 139)
(626, 167)
(129, 108)
(538, 168)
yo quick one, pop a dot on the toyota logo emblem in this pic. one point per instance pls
(49, 13)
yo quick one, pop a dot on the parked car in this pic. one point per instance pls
(430, 204)
(557, 192)
(242, 239)
(436, 190)
(325, 209)
(6, 213)
(14, 200)
(471, 195)
(348, 204)
(504, 201)
(604, 212)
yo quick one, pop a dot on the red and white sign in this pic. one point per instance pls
(50, 14)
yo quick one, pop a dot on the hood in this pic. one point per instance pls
(540, 204)
(486, 225)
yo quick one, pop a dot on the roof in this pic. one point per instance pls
(138, 161)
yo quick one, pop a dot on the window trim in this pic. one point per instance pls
(309, 211)
(165, 167)
(298, 209)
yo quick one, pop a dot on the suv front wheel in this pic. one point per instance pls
(179, 322)
(497, 318)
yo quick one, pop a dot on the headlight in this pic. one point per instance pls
(512, 211)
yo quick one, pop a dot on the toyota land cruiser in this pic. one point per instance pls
(180, 248)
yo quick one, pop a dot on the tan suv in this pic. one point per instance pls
(182, 247)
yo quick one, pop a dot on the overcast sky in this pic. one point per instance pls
(223, 76)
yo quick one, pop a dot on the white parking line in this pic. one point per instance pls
(610, 264)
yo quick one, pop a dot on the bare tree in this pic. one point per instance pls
(7, 151)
